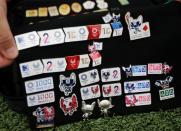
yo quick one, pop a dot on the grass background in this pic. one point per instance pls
(169, 120)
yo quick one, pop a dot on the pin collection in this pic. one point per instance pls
(65, 9)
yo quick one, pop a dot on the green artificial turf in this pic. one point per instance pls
(169, 120)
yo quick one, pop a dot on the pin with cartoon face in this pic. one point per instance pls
(137, 29)
(90, 92)
(104, 106)
(164, 83)
(67, 83)
(111, 90)
(110, 74)
(166, 92)
(128, 71)
(87, 109)
(166, 68)
(69, 105)
(44, 116)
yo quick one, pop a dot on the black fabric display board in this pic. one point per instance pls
(162, 46)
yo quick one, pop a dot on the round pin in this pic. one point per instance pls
(76, 7)
(31, 36)
(84, 77)
(30, 85)
(64, 9)
(57, 34)
(81, 30)
(88, 5)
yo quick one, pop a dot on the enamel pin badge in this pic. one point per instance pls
(166, 92)
(67, 83)
(44, 116)
(164, 83)
(137, 29)
(135, 70)
(104, 106)
(87, 109)
(69, 105)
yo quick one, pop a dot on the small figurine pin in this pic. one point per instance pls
(87, 110)
(104, 106)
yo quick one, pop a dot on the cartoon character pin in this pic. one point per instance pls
(137, 29)
(128, 71)
(166, 68)
(67, 83)
(131, 101)
(164, 83)
(135, 70)
(44, 116)
(87, 109)
(69, 105)
(104, 106)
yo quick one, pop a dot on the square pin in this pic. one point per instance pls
(53, 11)
(31, 13)
(42, 12)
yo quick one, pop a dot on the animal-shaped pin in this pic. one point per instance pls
(87, 109)
(131, 100)
(104, 106)
(166, 68)
(95, 90)
(45, 114)
(106, 74)
(69, 105)
(164, 83)
(130, 87)
(93, 75)
(128, 71)
(134, 24)
(107, 90)
(67, 83)
(115, 17)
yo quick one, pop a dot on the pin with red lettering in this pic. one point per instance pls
(155, 68)
(67, 83)
(69, 105)
(44, 116)
(41, 98)
(138, 99)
